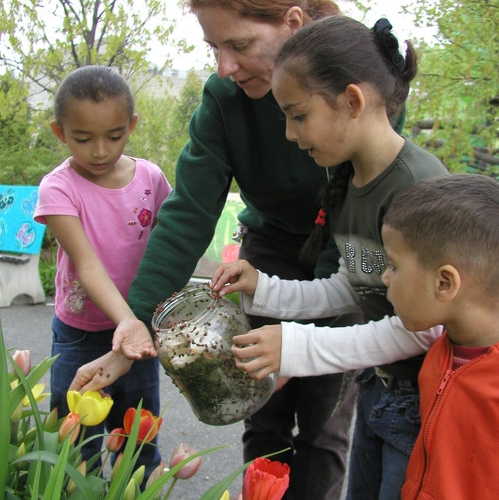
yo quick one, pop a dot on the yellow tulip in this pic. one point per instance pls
(92, 407)
(139, 474)
(21, 451)
(37, 392)
(132, 490)
(225, 496)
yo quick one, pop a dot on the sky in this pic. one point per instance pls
(188, 27)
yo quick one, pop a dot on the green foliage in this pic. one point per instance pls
(48, 264)
(50, 38)
(162, 130)
(457, 86)
(28, 148)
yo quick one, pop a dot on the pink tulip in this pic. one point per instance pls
(156, 474)
(190, 468)
(70, 426)
(115, 440)
(265, 480)
(23, 360)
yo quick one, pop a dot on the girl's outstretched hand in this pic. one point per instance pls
(101, 372)
(133, 340)
(258, 352)
(238, 276)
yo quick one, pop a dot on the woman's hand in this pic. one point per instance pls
(238, 276)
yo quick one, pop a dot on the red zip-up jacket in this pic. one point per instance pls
(456, 456)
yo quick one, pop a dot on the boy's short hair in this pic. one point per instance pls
(452, 219)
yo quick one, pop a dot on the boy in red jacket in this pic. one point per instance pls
(442, 240)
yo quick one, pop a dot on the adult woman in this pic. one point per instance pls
(238, 132)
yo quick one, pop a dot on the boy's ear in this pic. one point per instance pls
(58, 131)
(447, 283)
(355, 99)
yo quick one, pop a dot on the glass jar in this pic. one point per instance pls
(194, 330)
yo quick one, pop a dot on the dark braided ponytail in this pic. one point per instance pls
(330, 197)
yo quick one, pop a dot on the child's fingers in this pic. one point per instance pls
(256, 368)
(136, 353)
(226, 276)
(247, 338)
(215, 282)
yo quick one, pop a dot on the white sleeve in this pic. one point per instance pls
(307, 350)
(292, 299)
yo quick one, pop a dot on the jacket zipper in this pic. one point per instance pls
(443, 384)
(449, 373)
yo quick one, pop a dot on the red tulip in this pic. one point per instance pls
(265, 480)
(115, 440)
(149, 424)
(182, 452)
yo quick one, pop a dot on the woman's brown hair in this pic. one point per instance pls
(271, 11)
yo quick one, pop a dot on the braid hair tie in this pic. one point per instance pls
(321, 218)
(388, 44)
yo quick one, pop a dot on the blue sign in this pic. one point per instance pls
(18, 231)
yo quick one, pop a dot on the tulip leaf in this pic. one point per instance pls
(4, 416)
(56, 480)
(125, 470)
(123, 473)
(36, 482)
(45, 457)
(97, 485)
(24, 390)
(217, 490)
